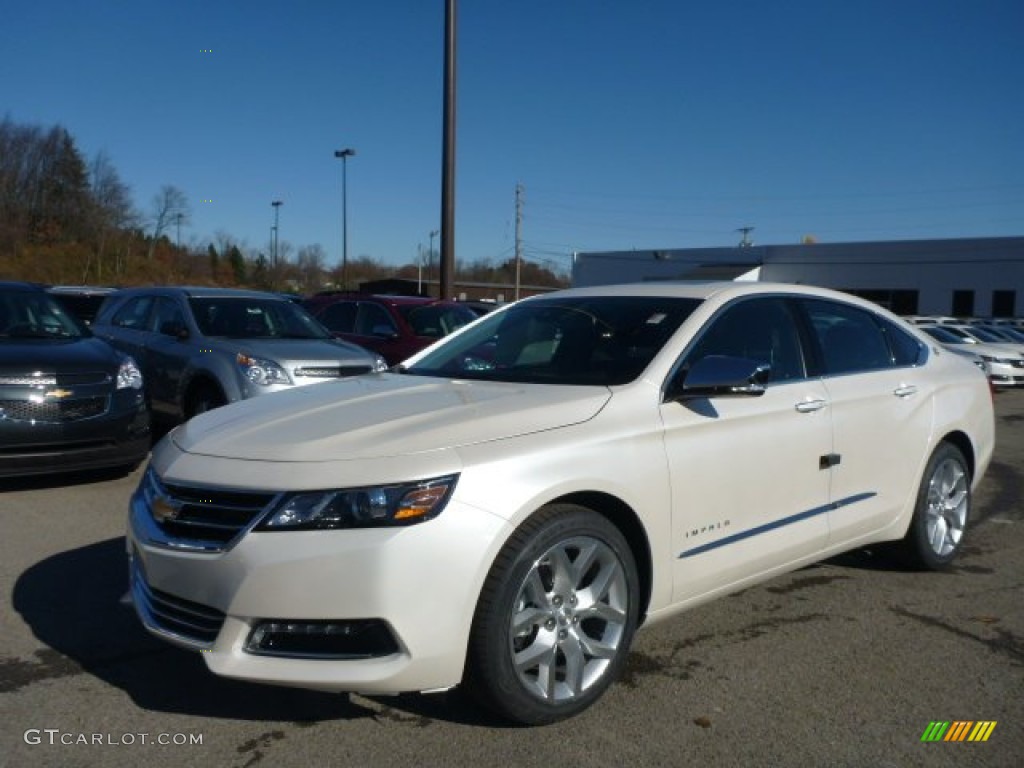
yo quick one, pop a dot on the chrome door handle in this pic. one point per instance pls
(905, 390)
(809, 406)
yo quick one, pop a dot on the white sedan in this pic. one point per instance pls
(507, 508)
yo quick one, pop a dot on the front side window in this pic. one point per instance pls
(851, 340)
(134, 314)
(374, 320)
(759, 329)
(168, 315)
(596, 340)
(339, 317)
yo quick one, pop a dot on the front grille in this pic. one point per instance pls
(208, 517)
(331, 372)
(53, 411)
(172, 615)
(27, 380)
(83, 379)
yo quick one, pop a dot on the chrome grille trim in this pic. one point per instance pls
(19, 380)
(331, 372)
(182, 622)
(200, 519)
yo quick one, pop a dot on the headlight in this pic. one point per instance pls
(371, 507)
(262, 371)
(1001, 360)
(128, 374)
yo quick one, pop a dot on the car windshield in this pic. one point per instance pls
(986, 335)
(943, 335)
(29, 315)
(255, 318)
(600, 341)
(435, 320)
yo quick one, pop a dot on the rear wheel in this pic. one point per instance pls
(943, 508)
(555, 618)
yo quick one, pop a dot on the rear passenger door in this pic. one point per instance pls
(881, 408)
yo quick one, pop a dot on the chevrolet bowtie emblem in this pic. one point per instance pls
(59, 393)
(165, 510)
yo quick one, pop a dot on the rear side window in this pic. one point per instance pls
(851, 339)
(906, 350)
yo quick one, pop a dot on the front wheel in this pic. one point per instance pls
(943, 507)
(555, 618)
(206, 398)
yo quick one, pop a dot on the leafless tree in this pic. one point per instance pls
(170, 207)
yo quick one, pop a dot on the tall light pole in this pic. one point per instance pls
(344, 154)
(276, 232)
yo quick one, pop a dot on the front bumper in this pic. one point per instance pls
(420, 582)
(1007, 380)
(120, 438)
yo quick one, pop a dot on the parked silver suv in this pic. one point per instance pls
(200, 348)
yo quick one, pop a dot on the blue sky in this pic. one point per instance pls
(629, 123)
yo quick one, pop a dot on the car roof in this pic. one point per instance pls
(17, 285)
(694, 289)
(192, 291)
(383, 298)
(86, 290)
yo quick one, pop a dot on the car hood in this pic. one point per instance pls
(383, 415)
(294, 350)
(57, 355)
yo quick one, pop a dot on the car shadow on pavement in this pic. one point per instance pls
(72, 602)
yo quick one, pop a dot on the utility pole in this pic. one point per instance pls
(746, 242)
(447, 282)
(519, 238)
(275, 237)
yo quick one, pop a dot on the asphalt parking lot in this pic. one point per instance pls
(843, 664)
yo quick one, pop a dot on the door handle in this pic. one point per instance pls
(905, 390)
(810, 406)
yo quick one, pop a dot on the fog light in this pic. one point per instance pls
(355, 639)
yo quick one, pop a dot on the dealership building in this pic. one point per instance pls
(981, 277)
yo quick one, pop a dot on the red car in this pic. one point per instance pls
(395, 327)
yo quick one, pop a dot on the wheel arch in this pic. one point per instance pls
(623, 517)
(199, 380)
(963, 443)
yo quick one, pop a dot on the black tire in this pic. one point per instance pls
(206, 398)
(570, 643)
(936, 532)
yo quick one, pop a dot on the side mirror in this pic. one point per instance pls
(175, 329)
(721, 376)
